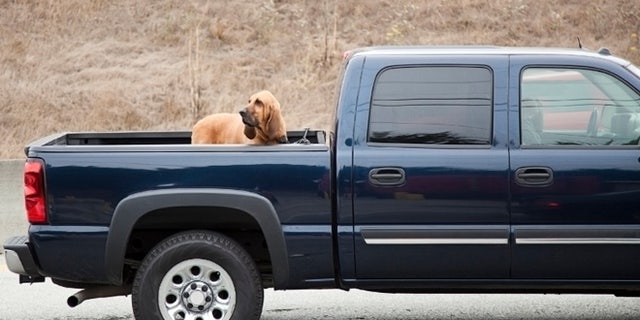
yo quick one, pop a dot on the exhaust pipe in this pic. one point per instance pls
(97, 292)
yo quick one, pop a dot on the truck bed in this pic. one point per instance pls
(144, 139)
(91, 176)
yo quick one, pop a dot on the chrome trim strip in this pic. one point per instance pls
(435, 235)
(432, 241)
(577, 234)
(577, 240)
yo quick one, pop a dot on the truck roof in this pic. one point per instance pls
(602, 53)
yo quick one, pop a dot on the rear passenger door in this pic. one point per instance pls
(575, 169)
(431, 169)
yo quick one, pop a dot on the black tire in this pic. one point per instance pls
(200, 274)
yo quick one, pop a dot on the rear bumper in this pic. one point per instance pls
(20, 259)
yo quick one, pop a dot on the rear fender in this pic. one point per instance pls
(131, 209)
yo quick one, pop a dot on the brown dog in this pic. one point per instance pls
(259, 123)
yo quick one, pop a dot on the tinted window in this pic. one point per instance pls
(561, 106)
(432, 105)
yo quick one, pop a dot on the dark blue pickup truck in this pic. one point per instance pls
(450, 169)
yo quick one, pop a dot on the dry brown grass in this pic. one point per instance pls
(104, 65)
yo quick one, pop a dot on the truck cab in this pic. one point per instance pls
(488, 163)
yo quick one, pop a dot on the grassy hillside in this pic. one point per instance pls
(103, 65)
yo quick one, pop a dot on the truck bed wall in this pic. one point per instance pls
(152, 138)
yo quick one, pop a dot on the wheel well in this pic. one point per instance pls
(157, 225)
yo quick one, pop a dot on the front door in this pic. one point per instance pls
(575, 171)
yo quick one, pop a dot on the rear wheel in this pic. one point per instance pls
(197, 275)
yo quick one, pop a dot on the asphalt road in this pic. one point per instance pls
(48, 302)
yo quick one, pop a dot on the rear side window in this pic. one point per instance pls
(441, 105)
(577, 107)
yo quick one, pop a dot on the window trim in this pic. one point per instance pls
(491, 141)
(570, 146)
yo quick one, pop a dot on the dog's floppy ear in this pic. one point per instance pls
(276, 129)
(275, 125)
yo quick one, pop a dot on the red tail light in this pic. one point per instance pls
(34, 191)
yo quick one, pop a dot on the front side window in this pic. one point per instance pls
(583, 107)
(441, 105)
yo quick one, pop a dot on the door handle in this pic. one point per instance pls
(387, 176)
(534, 176)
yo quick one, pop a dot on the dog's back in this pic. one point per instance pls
(219, 128)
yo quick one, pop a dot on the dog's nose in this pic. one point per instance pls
(284, 139)
(243, 112)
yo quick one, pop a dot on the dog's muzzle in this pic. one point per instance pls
(246, 118)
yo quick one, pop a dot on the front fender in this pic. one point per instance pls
(135, 206)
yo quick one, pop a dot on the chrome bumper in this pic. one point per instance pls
(20, 260)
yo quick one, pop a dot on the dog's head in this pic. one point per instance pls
(263, 120)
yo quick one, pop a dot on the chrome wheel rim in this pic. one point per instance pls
(197, 289)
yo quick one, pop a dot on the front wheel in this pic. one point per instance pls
(197, 275)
